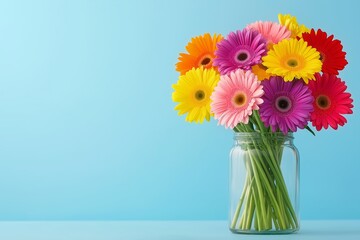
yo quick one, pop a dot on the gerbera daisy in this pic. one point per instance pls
(271, 31)
(292, 58)
(241, 49)
(193, 91)
(200, 53)
(287, 105)
(331, 53)
(291, 23)
(260, 71)
(235, 97)
(331, 101)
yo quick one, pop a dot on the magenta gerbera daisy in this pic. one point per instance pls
(271, 31)
(287, 105)
(241, 49)
(235, 97)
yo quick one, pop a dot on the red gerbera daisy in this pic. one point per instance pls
(331, 53)
(331, 101)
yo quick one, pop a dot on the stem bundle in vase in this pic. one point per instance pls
(264, 203)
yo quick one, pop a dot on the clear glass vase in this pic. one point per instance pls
(264, 184)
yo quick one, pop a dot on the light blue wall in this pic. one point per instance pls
(87, 126)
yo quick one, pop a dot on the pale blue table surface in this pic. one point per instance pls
(165, 230)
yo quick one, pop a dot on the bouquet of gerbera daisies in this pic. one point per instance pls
(267, 78)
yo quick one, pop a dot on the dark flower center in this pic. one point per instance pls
(239, 99)
(199, 95)
(323, 102)
(205, 61)
(242, 56)
(292, 63)
(283, 104)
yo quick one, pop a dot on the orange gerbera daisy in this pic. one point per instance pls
(201, 52)
(260, 71)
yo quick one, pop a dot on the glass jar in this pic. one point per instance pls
(264, 184)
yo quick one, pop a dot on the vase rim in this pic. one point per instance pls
(238, 135)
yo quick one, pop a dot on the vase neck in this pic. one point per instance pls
(258, 137)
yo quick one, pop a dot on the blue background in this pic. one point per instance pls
(87, 126)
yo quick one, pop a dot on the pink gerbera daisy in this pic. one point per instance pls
(287, 105)
(241, 49)
(271, 31)
(235, 97)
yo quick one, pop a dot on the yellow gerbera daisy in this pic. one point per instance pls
(260, 71)
(201, 52)
(193, 91)
(292, 58)
(291, 23)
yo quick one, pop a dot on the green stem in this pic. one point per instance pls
(248, 211)
(271, 195)
(251, 212)
(276, 167)
(275, 220)
(248, 193)
(241, 201)
(258, 182)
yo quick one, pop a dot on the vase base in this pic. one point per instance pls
(265, 232)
